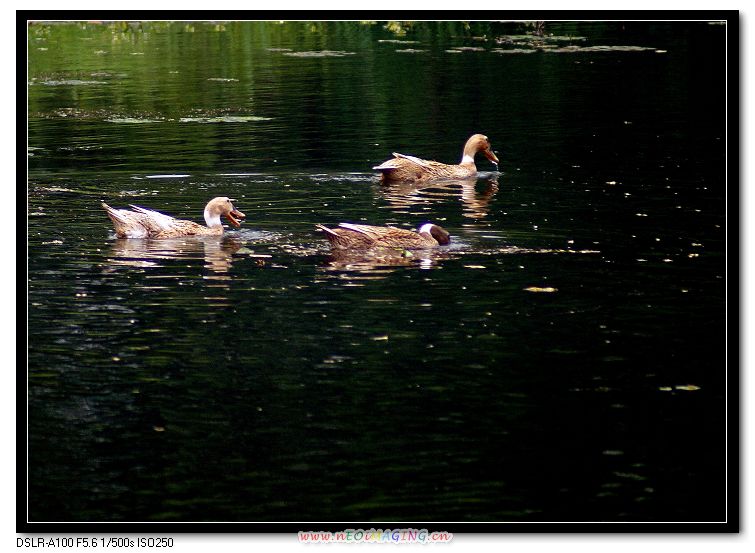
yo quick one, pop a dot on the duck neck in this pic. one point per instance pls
(426, 231)
(467, 157)
(212, 219)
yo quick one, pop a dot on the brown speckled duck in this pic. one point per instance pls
(361, 237)
(403, 168)
(146, 223)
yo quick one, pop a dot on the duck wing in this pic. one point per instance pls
(370, 231)
(416, 161)
(130, 224)
(390, 237)
(165, 226)
(400, 160)
(156, 219)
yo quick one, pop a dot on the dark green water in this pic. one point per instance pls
(257, 378)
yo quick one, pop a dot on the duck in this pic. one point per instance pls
(140, 222)
(403, 168)
(362, 237)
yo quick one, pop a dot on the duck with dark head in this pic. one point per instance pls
(362, 237)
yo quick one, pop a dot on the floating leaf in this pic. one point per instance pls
(538, 289)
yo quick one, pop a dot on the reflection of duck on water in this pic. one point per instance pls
(216, 251)
(476, 203)
(377, 263)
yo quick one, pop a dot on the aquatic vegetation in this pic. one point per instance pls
(319, 54)
(70, 82)
(468, 48)
(580, 49)
(133, 120)
(514, 51)
(224, 119)
(397, 41)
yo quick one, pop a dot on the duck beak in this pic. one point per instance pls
(491, 156)
(235, 216)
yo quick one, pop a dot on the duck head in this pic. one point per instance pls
(439, 234)
(222, 206)
(478, 143)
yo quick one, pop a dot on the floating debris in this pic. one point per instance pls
(547, 289)
(223, 80)
(687, 387)
(682, 387)
(410, 51)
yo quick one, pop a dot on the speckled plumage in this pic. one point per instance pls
(361, 237)
(140, 222)
(403, 168)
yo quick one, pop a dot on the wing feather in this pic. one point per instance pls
(157, 219)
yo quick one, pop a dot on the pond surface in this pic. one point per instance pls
(561, 360)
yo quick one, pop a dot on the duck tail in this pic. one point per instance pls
(326, 229)
(120, 223)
